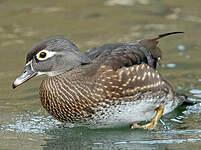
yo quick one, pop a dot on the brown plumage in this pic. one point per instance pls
(112, 84)
(76, 95)
(142, 51)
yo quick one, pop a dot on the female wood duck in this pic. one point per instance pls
(110, 85)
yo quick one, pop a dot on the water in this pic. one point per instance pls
(24, 124)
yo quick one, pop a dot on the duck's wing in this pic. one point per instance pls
(122, 70)
(131, 53)
(139, 81)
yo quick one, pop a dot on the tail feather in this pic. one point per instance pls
(167, 34)
(152, 44)
(187, 100)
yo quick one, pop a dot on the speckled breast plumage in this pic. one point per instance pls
(81, 96)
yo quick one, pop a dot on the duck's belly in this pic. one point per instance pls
(123, 114)
(128, 112)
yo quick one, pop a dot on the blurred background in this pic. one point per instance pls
(24, 124)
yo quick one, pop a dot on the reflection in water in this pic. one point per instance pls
(82, 138)
(122, 138)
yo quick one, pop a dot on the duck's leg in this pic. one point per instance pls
(153, 122)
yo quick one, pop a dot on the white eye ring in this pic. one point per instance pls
(44, 54)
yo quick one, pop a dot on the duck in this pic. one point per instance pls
(106, 86)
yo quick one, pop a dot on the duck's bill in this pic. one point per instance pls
(27, 74)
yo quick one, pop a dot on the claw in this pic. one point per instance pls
(153, 122)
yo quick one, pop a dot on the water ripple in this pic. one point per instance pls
(30, 123)
(166, 141)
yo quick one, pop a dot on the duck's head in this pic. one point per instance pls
(52, 57)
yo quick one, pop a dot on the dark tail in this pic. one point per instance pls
(187, 100)
(166, 34)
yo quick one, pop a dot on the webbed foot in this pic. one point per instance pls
(153, 122)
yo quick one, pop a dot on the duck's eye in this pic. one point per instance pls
(43, 55)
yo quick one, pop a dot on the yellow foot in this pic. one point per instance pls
(153, 122)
